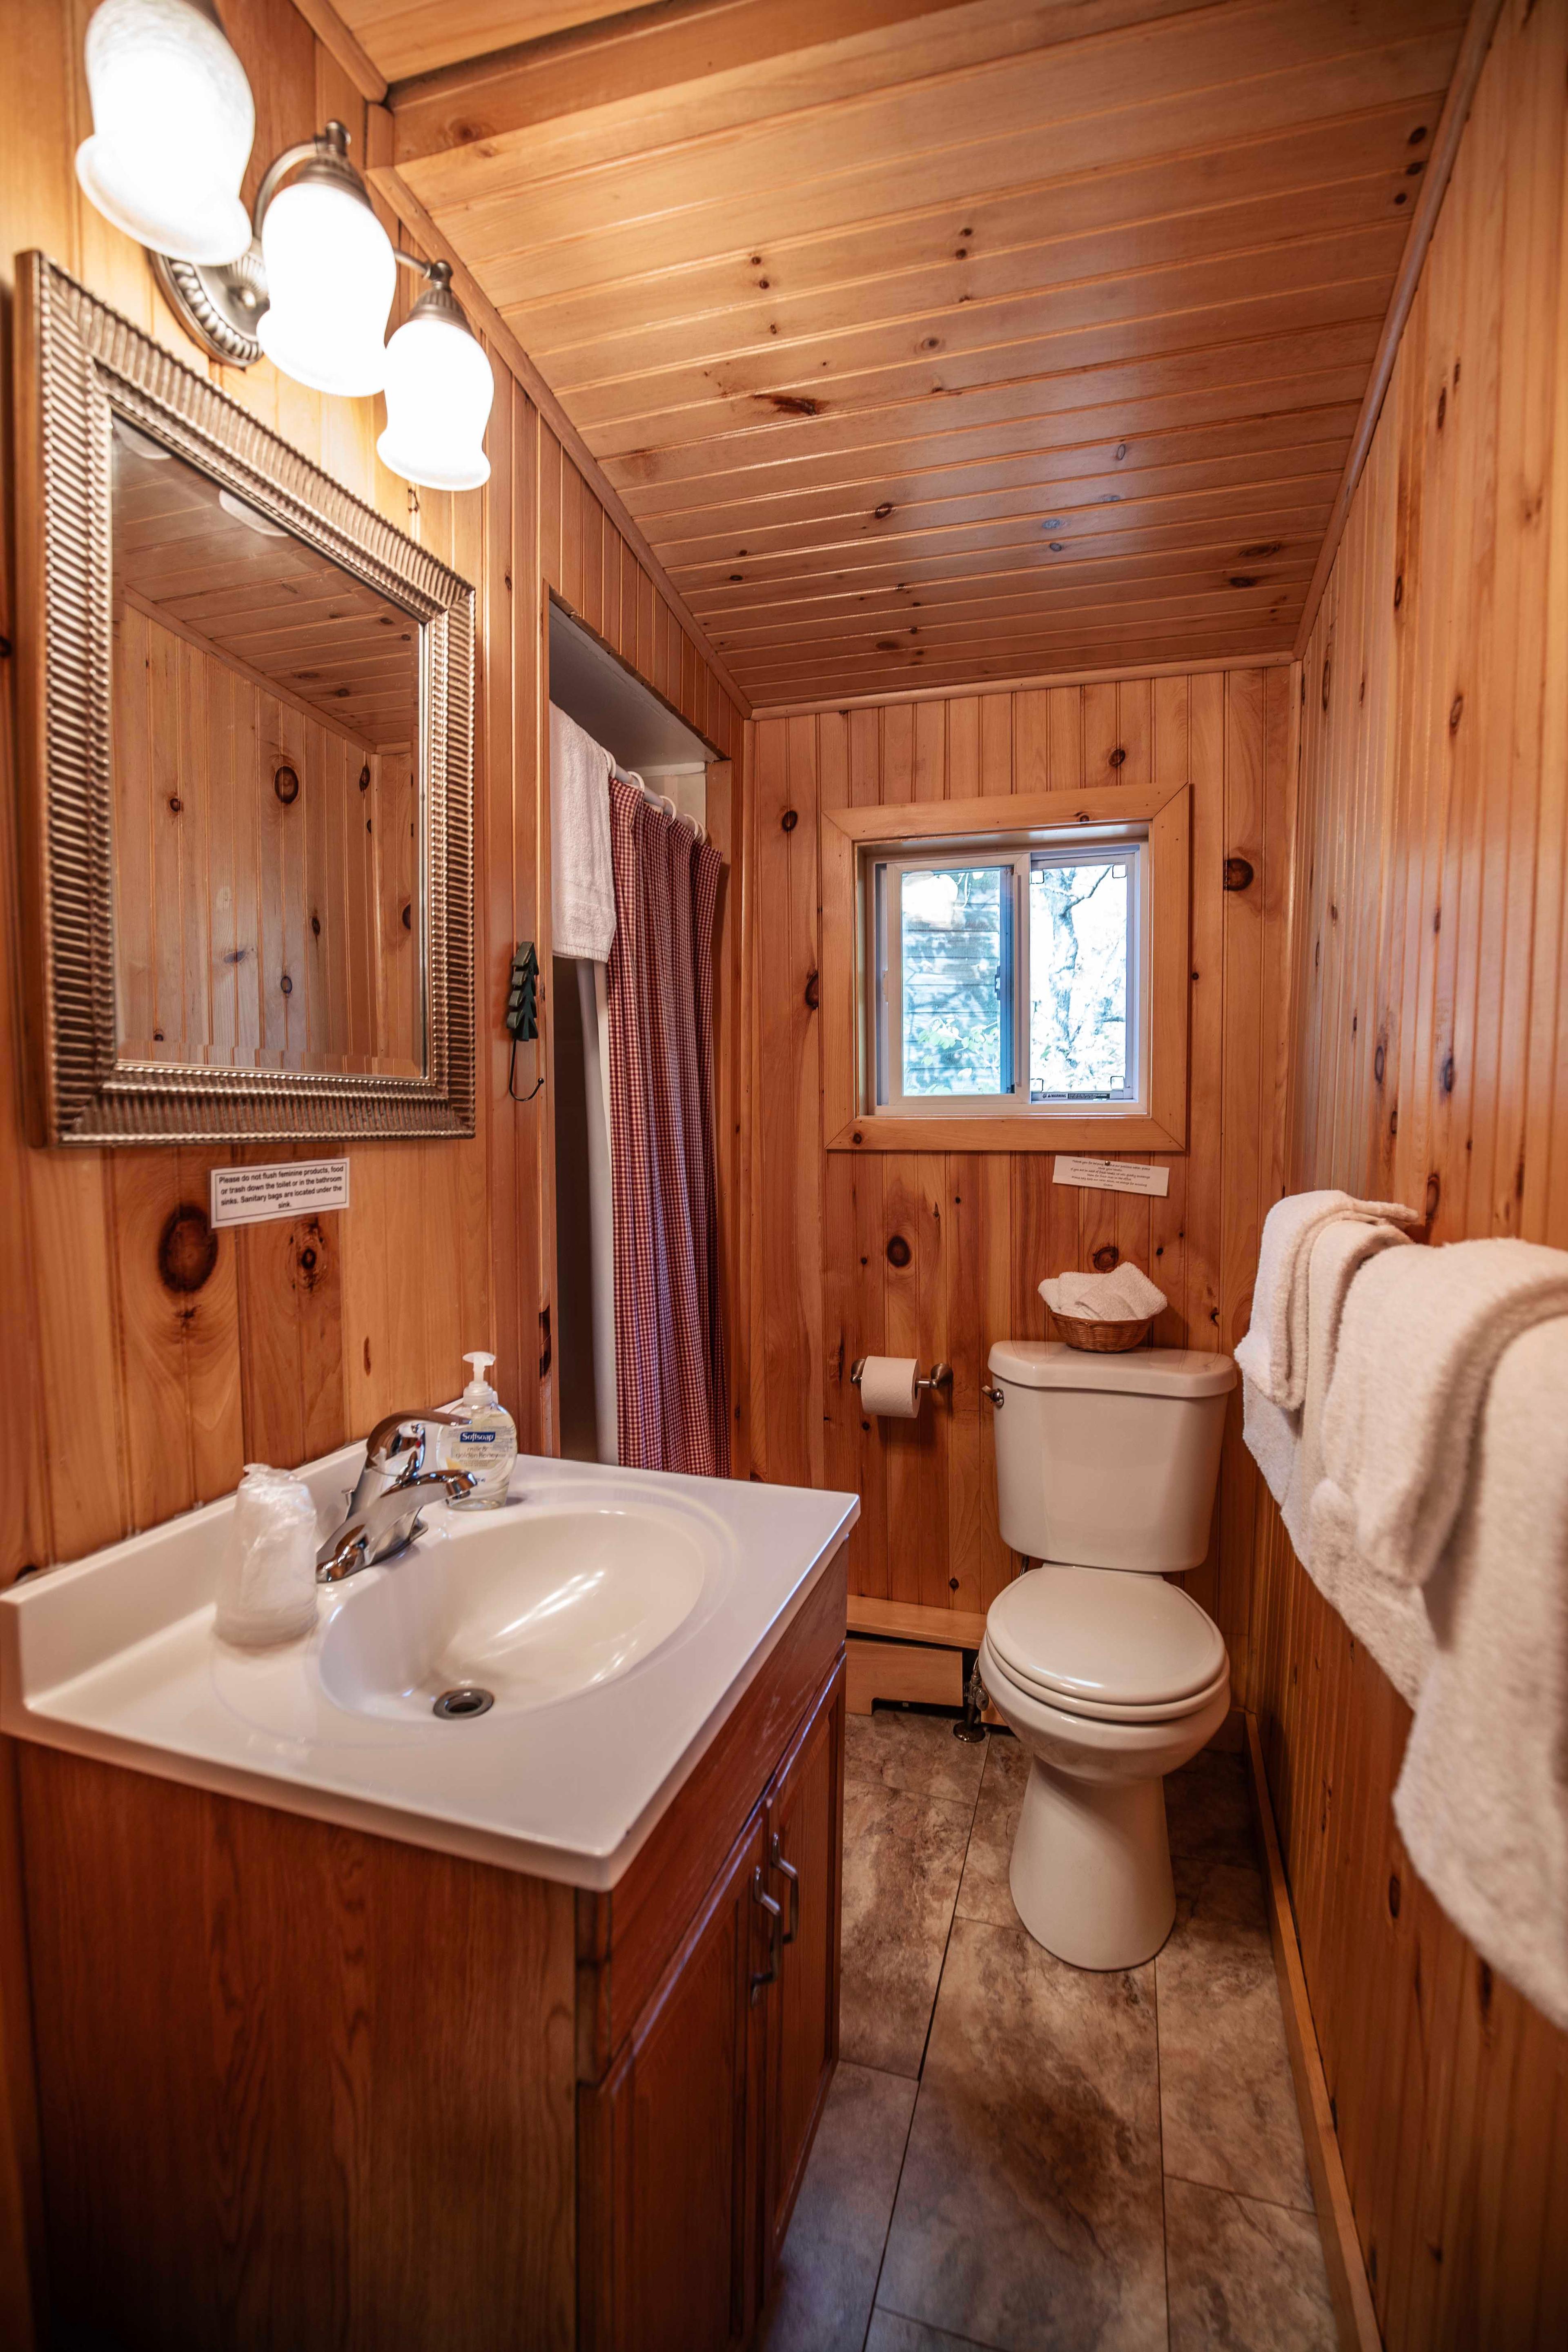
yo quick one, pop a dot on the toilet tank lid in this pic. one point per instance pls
(1141, 1372)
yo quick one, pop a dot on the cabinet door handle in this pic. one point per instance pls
(787, 1870)
(760, 1895)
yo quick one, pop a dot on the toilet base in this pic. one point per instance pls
(1090, 1872)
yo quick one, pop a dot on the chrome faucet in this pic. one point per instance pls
(383, 1516)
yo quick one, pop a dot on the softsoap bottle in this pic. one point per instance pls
(482, 1440)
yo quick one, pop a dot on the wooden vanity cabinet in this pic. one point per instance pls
(300, 2084)
(693, 2139)
(803, 1830)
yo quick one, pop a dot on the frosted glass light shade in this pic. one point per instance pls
(438, 392)
(330, 278)
(172, 120)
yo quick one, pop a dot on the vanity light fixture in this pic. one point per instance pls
(439, 388)
(173, 123)
(329, 269)
(309, 279)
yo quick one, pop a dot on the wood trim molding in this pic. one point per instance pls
(1354, 2312)
(913, 1674)
(389, 184)
(339, 42)
(913, 1620)
(1167, 813)
(1031, 684)
(1456, 112)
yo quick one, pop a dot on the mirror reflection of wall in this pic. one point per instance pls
(268, 914)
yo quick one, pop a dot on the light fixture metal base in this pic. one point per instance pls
(218, 304)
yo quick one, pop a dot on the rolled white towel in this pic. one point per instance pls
(1126, 1295)
(1273, 1355)
(1421, 1333)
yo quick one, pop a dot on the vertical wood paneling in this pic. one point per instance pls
(1425, 1064)
(983, 1229)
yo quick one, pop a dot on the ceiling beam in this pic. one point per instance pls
(340, 43)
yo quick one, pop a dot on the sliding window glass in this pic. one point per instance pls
(1009, 979)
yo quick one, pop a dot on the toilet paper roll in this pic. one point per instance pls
(888, 1386)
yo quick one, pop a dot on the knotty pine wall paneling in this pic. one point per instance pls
(984, 1228)
(144, 1369)
(1429, 1064)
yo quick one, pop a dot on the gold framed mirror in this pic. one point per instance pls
(247, 711)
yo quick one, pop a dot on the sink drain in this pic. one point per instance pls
(466, 1699)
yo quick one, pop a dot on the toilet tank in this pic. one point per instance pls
(1109, 1461)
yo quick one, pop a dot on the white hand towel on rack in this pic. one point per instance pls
(1482, 1799)
(1273, 1355)
(1339, 1253)
(1421, 1333)
(582, 886)
(1389, 1620)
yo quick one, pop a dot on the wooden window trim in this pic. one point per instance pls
(1165, 812)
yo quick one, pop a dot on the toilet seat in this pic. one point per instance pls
(1110, 1645)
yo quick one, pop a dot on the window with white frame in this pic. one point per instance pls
(1008, 977)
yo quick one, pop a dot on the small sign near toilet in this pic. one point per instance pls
(248, 1196)
(1112, 1175)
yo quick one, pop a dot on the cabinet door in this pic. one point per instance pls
(803, 1821)
(669, 2154)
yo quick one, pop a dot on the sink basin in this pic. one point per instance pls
(615, 1615)
(530, 1606)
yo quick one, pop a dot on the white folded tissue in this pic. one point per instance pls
(267, 1578)
(1273, 1355)
(1127, 1296)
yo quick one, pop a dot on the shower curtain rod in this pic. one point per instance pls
(658, 800)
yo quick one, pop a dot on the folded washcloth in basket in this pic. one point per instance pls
(1125, 1296)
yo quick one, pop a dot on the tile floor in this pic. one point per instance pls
(1017, 2155)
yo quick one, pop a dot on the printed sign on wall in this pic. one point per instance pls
(1112, 1175)
(248, 1196)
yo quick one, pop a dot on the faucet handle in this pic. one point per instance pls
(382, 1444)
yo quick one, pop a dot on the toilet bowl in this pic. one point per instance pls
(1109, 1676)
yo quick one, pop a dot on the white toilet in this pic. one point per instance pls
(1106, 1468)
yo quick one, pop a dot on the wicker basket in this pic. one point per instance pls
(1102, 1338)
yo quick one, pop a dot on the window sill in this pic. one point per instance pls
(1042, 1132)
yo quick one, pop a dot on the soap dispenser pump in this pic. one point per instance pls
(481, 1439)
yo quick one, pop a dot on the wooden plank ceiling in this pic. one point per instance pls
(933, 344)
(266, 603)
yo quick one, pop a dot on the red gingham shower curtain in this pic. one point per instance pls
(671, 1396)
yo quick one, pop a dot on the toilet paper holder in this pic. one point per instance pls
(939, 1376)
